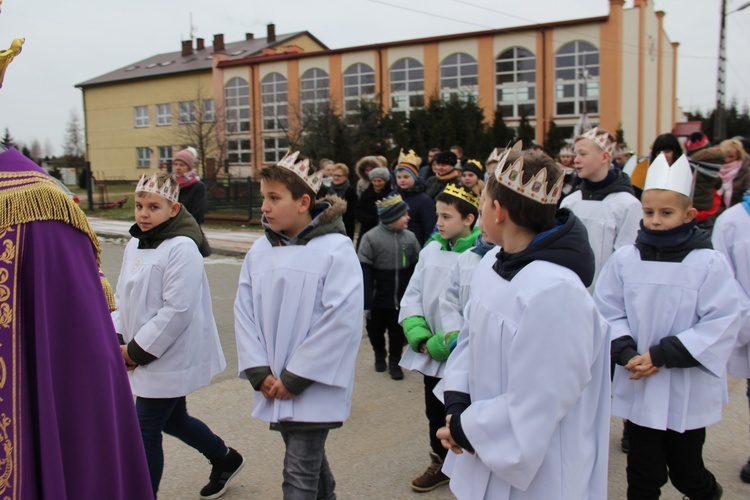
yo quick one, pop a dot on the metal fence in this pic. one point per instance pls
(233, 199)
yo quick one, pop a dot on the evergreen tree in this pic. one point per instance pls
(619, 134)
(554, 140)
(525, 132)
(327, 136)
(500, 133)
(7, 141)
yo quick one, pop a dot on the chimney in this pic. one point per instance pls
(271, 36)
(249, 36)
(218, 43)
(201, 44)
(187, 47)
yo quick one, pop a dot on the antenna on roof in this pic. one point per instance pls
(192, 28)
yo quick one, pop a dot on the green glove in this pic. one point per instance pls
(416, 331)
(437, 346)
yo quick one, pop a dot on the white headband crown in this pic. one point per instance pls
(169, 190)
(678, 177)
(301, 168)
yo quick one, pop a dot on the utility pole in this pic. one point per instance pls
(719, 131)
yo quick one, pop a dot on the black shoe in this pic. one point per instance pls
(745, 472)
(396, 372)
(380, 365)
(223, 470)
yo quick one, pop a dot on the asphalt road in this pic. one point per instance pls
(384, 444)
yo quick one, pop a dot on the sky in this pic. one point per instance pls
(71, 41)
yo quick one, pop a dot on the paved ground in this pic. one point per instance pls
(384, 444)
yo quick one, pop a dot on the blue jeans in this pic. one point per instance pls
(307, 475)
(170, 415)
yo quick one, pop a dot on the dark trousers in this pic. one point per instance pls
(170, 415)
(655, 455)
(435, 411)
(382, 320)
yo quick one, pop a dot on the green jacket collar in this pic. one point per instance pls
(461, 245)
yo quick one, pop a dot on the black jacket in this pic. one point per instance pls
(422, 216)
(195, 200)
(366, 212)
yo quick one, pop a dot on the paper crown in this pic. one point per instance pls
(622, 149)
(497, 153)
(389, 202)
(169, 190)
(476, 163)
(301, 168)
(566, 150)
(462, 193)
(678, 177)
(411, 158)
(601, 140)
(535, 189)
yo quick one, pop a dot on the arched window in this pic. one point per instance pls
(314, 93)
(515, 82)
(458, 77)
(275, 107)
(359, 83)
(237, 103)
(406, 86)
(577, 79)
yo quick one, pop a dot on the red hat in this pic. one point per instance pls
(185, 156)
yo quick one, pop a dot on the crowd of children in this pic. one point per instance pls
(535, 298)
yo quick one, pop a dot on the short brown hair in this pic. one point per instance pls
(523, 211)
(342, 167)
(292, 181)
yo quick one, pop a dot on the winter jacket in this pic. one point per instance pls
(366, 211)
(422, 216)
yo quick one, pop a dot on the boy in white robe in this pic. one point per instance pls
(527, 387)
(673, 306)
(421, 314)
(166, 324)
(731, 236)
(298, 322)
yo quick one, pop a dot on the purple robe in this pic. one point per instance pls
(68, 427)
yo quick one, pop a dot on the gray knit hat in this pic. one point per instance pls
(380, 173)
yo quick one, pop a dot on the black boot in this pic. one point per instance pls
(394, 370)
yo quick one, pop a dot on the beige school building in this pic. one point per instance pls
(620, 69)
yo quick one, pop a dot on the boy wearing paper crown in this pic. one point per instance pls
(673, 307)
(527, 387)
(388, 254)
(604, 202)
(164, 317)
(298, 321)
(420, 315)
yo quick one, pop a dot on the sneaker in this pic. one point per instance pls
(432, 477)
(380, 365)
(395, 372)
(223, 470)
(745, 472)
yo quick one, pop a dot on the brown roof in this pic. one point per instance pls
(257, 58)
(684, 129)
(174, 63)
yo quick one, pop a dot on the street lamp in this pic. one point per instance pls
(719, 131)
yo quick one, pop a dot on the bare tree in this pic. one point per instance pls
(73, 144)
(49, 149)
(36, 151)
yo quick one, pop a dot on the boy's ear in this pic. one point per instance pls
(175, 209)
(304, 203)
(469, 220)
(691, 214)
(498, 213)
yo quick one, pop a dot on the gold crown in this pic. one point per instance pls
(389, 202)
(462, 193)
(476, 163)
(169, 190)
(411, 158)
(535, 189)
(289, 162)
(601, 140)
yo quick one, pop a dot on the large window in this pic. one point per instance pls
(515, 83)
(140, 114)
(577, 79)
(238, 150)
(458, 77)
(275, 104)
(274, 148)
(407, 86)
(165, 156)
(359, 83)
(187, 112)
(163, 114)
(209, 115)
(143, 156)
(237, 103)
(314, 93)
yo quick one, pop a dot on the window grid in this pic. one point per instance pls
(274, 148)
(459, 77)
(274, 102)
(187, 112)
(406, 86)
(314, 93)
(163, 114)
(144, 157)
(238, 151)
(575, 92)
(141, 116)
(209, 114)
(515, 83)
(237, 102)
(359, 83)
(165, 156)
